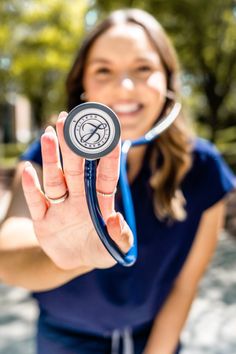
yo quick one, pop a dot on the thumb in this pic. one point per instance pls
(119, 231)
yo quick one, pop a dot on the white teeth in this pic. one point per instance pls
(126, 107)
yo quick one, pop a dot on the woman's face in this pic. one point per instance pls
(124, 71)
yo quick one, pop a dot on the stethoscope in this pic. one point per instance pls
(92, 130)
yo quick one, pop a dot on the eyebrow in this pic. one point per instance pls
(106, 61)
(99, 61)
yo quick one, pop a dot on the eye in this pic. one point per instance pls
(103, 73)
(143, 71)
(144, 68)
(102, 70)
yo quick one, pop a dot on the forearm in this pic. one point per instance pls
(30, 268)
(23, 263)
(168, 324)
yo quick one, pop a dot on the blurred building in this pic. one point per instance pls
(7, 123)
(15, 121)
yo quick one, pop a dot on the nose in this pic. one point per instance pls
(127, 83)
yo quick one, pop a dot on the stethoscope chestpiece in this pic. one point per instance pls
(92, 130)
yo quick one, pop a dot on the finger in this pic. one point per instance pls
(34, 196)
(73, 165)
(53, 178)
(107, 179)
(119, 231)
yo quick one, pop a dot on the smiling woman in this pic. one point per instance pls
(107, 53)
(178, 183)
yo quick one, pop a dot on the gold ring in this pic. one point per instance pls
(58, 200)
(107, 195)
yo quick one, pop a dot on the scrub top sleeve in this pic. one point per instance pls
(219, 178)
(33, 153)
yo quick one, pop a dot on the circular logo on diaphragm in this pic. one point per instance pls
(92, 131)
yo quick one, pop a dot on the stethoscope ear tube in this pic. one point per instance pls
(125, 259)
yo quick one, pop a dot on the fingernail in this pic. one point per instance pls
(62, 115)
(112, 217)
(27, 164)
(50, 129)
(28, 167)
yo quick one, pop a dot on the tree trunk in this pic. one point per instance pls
(214, 100)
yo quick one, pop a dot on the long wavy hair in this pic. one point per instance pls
(173, 147)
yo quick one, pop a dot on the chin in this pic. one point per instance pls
(130, 135)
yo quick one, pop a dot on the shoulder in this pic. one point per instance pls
(204, 150)
(210, 178)
(207, 158)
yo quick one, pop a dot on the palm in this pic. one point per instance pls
(72, 233)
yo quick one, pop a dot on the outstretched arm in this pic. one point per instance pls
(65, 237)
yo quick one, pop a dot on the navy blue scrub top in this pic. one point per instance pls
(108, 299)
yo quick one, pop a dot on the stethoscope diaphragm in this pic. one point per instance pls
(92, 130)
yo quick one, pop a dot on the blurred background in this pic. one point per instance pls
(38, 41)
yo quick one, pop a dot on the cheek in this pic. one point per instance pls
(157, 83)
(94, 90)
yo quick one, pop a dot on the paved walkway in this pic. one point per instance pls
(17, 321)
(211, 328)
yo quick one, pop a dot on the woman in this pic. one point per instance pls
(178, 185)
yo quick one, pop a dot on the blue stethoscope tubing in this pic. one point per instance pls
(129, 258)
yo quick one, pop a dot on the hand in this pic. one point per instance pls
(65, 231)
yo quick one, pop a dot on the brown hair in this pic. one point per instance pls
(173, 146)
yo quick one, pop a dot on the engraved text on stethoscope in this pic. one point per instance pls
(93, 132)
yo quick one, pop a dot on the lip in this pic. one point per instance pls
(127, 109)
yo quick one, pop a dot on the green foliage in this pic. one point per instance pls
(41, 38)
(10, 153)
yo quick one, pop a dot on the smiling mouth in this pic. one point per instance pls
(127, 108)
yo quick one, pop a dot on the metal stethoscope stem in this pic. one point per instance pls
(94, 116)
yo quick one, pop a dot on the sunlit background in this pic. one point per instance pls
(38, 41)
